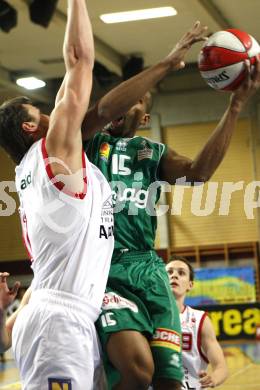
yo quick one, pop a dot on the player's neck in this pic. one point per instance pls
(180, 303)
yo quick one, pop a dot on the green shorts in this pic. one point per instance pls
(138, 297)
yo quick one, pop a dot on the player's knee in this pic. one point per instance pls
(141, 375)
(169, 384)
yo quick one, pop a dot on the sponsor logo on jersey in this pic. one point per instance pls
(166, 338)
(189, 323)
(106, 232)
(112, 300)
(121, 145)
(138, 197)
(145, 152)
(26, 181)
(108, 204)
(59, 384)
(175, 360)
(107, 219)
(104, 151)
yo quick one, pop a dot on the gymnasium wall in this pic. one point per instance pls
(201, 216)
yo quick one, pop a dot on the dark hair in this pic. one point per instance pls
(185, 261)
(12, 137)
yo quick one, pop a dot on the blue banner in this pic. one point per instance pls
(222, 286)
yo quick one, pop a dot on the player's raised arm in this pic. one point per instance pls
(63, 139)
(204, 165)
(120, 99)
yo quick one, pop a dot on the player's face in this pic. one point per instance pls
(179, 275)
(127, 125)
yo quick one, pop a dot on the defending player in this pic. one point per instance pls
(199, 344)
(64, 207)
(112, 105)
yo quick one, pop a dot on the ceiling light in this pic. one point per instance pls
(30, 83)
(141, 14)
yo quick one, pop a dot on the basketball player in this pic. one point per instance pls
(199, 344)
(67, 225)
(139, 326)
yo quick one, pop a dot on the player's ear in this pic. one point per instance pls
(190, 285)
(29, 127)
(145, 120)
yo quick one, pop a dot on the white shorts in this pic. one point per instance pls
(55, 343)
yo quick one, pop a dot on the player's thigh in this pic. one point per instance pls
(128, 348)
(72, 353)
(59, 352)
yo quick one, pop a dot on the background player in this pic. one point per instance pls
(199, 343)
(54, 337)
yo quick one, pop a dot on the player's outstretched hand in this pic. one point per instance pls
(206, 380)
(7, 296)
(249, 86)
(195, 34)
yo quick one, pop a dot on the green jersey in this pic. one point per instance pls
(131, 167)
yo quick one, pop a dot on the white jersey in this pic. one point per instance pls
(193, 358)
(69, 236)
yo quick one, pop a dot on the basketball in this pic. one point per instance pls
(221, 60)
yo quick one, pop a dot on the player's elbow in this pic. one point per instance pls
(201, 179)
(225, 371)
(86, 57)
(198, 178)
(83, 54)
(220, 371)
(104, 113)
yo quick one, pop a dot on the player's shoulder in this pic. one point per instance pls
(196, 312)
(147, 140)
(30, 158)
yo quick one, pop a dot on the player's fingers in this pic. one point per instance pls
(258, 63)
(206, 380)
(199, 35)
(201, 39)
(201, 30)
(196, 25)
(256, 71)
(15, 288)
(3, 276)
(248, 72)
(207, 385)
(202, 374)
